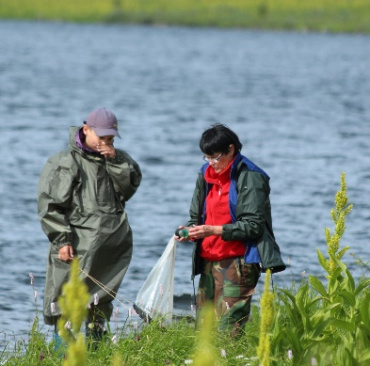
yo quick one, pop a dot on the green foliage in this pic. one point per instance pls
(323, 16)
(314, 319)
(318, 322)
(156, 344)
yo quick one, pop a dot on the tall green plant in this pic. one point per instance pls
(338, 215)
(342, 300)
(314, 319)
(267, 314)
(73, 303)
(205, 355)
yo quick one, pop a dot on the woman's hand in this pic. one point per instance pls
(182, 238)
(65, 253)
(107, 150)
(202, 231)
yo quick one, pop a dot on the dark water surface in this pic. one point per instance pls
(299, 102)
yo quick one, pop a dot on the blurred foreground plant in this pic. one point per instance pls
(205, 354)
(267, 319)
(73, 304)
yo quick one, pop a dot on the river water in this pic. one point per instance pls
(299, 103)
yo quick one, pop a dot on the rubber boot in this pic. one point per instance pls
(59, 345)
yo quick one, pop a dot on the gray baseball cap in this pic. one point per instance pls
(103, 122)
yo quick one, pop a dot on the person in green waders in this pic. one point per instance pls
(81, 205)
(230, 223)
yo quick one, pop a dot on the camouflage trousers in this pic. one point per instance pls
(229, 284)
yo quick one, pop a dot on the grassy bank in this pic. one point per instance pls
(314, 15)
(314, 322)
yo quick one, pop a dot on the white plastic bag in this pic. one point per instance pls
(155, 297)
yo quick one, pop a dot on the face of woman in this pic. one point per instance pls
(93, 141)
(220, 161)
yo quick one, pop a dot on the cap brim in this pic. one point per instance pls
(106, 132)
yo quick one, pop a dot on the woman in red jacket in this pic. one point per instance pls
(230, 220)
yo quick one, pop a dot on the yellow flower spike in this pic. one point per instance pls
(117, 360)
(73, 304)
(332, 214)
(340, 223)
(267, 319)
(205, 355)
(348, 209)
(327, 235)
(341, 198)
(338, 215)
(76, 355)
(74, 299)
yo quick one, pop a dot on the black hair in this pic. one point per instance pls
(217, 139)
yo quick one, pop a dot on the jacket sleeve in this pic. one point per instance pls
(196, 203)
(54, 198)
(125, 173)
(252, 205)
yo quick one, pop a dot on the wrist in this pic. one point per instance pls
(217, 230)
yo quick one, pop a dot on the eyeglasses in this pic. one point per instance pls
(214, 160)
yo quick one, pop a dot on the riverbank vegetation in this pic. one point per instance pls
(302, 15)
(323, 320)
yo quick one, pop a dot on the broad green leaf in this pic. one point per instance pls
(318, 286)
(351, 285)
(278, 341)
(362, 285)
(291, 309)
(348, 296)
(364, 356)
(346, 358)
(335, 281)
(315, 303)
(322, 260)
(294, 341)
(333, 306)
(288, 294)
(303, 304)
(363, 332)
(302, 299)
(365, 309)
(342, 251)
(338, 262)
(320, 327)
(349, 281)
(342, 324)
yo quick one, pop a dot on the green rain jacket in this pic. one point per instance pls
(81, 201)
(253, 215)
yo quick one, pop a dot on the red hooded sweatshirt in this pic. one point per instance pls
(214, 248)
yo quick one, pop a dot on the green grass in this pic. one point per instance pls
(313, 15)
(151, 344)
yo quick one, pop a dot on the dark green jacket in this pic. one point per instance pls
(81, 200)
(253, 215)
